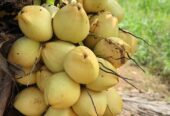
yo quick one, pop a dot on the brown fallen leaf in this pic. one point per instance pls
(4, 65)
(5, 92)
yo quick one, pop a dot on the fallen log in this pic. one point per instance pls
(143, 104)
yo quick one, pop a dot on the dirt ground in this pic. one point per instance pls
(142, 80)
(153, 91)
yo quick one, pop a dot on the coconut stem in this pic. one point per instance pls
(37, 2)
(114, 73)
(35, 63)
(128, 56)
(50, 2)
(28, 74)
(92, 102)
(110, 110)
(124, 78)
(135, 36)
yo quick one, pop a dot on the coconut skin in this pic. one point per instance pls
(85, 107)
(24, 52)
(130, 40)
(91, 41)
(76, 28)
(54, 53)
(59, 112)
(27, 79)
(94, 5)
(102, 26)
(114, 7)
(57, 91)
(30, 102)
(105, 80)
(41, 77)
(80, 1)
(112, 49)
(81, 65)
(114, 103)
(35, 22)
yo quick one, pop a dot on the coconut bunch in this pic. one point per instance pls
(69, 56)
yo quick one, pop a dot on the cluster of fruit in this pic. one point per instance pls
(78, 62)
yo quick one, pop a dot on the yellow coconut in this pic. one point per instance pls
(102, 26)
(59, 112)
(35, 22)
(29, 78)
(114, 103)
(54, 53)
(129, 39)
(81, 65)
(80, 1)
(30, 101)
(41, 76)
(71, 23)
(51, 8)
(91, 41)
(94, 5)
(114, 7)
(112, 49)
(105, 80)
(68, 1)
(90, 103)
(57, 91)
(24, 52)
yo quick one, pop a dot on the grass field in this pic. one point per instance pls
(150, 19)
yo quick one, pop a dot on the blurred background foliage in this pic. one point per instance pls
(150, 19)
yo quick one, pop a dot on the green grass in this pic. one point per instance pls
(150, 19)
